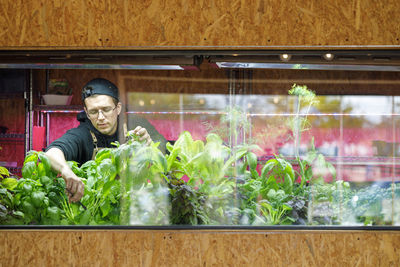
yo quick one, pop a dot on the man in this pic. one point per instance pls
(98, 128)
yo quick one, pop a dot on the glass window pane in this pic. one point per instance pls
(254, 144)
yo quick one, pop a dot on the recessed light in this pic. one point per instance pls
(285, 57)
(328, 56)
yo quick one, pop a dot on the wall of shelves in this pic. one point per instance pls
(43, 114)
(12, 138)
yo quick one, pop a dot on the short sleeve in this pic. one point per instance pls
(75, 145)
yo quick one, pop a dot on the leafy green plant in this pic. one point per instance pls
(8, 215)
(211, 171)
(34, 198)
(313, 167)
(299, 124)
(100, 203)
(144, 193)
(135, 184)
(187, 204)
(269, 198)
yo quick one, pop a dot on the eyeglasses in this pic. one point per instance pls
(94, 113)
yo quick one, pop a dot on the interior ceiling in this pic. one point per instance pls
(277, 59)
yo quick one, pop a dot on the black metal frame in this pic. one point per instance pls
(203, 227)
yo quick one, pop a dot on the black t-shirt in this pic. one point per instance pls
(77, 143)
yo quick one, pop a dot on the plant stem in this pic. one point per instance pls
(297, 132)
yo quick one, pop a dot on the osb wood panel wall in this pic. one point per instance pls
(198, 248)
(162, 24)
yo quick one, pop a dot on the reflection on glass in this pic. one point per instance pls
(341, 150)
(218, 159)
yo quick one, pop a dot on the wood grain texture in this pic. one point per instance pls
(198, 248)
(161, 24)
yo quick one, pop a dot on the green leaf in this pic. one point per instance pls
(88, 164)
(29, 170)
(269, 165)
(18, 214)
(85, 217)
(105, 153)
(289, 171)
(252, 160)
(171, 158)
(271, 194)
(26, 188)
(31, 156)
(107, 169)
(254, 174)
(169, 147)
(4, 172)
(272, 183)
(45, 180)
(332, 170)
(27, 207)
(280, 195)
(288, 183)
(308, 174)
(184, 142)
(75, 168)
(105, 208)
(38, 198)
(41, 170)
(45, 161)
(17, 199)
(235, 157)
(106, 188)
(10, 183)
(54, 213)
(162, 160)
(282, 164)
(197, 147)
(310, 157)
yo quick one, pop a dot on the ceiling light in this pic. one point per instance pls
(285, 57)
(328, 56)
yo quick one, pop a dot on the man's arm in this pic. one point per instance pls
(74, 185)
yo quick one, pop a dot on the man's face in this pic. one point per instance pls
(103, 113)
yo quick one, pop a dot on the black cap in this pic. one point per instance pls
(100, 86)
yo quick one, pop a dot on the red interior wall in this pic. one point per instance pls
(12, 144)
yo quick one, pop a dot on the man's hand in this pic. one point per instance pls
(142, 134)
(74, 186)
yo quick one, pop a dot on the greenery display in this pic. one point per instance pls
(197, 182)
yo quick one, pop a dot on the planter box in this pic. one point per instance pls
(57, 100)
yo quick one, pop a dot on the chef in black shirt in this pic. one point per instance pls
(98, 129)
